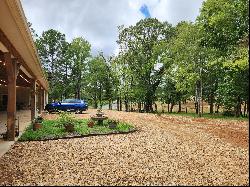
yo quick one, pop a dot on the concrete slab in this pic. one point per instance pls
(5, 146)
(24, 121)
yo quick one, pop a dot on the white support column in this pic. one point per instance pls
(47, 97)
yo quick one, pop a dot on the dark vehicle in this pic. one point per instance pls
(75, 105)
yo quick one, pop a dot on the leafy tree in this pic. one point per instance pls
(32, 31)
(225, 29)
(137, 44)
(78, 54)
(52, 49)
(225, 23)
(234, 87)
(190, 61)
(98, 82)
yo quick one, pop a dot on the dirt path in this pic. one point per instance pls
(167, 150)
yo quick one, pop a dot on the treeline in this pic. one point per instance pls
(202, 61)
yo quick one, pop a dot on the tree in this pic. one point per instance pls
(78, 54)
(225, 26)
(234, 87)
(52, 50)
(32, 31)
(190, 60)
(137, 44)
(225, 23)
(98, 82)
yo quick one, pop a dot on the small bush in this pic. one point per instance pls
(124, 127)
(228, 113)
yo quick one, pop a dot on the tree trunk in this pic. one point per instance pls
(196, 99)
(196, 107)
(95, 104)
(110, 104)
(238, 107)
(211, 108)
(126, 104)
(171, 108)
(100, 98)
(155, 107)
(118, 103)
(144, 106)
(149, 107)
(179, 106)
(245, 108)
(199, 97)
(78, 94)
(162, 108)
(139, 106)
(168, 107)
(217, 109)
(211, 103)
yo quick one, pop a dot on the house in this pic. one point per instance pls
(23, 83)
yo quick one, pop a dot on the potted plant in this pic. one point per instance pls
(37, 123)
(91, 124)
(112, 124)
(69, 127)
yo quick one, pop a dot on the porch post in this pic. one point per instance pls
(11, 68)
(39, 95)
(46, 98)
(33, 99)
(42, 99)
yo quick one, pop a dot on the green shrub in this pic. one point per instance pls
(124, 127)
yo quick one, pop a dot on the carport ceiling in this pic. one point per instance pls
(22, 79)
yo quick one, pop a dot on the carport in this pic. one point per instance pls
(22, 79)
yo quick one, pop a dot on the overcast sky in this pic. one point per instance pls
(97, 20)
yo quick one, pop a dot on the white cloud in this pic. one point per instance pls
(97, 20)
(175, 11)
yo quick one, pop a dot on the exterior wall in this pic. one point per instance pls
(22, 98)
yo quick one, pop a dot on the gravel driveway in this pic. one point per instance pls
(167, 150)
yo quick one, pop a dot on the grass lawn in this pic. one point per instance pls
(53, 129)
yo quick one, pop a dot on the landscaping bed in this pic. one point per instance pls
(55, 129)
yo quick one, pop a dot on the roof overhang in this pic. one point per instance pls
(15, 37)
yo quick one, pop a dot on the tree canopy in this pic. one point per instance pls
(202, 61)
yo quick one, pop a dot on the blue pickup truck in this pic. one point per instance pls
(75, 105)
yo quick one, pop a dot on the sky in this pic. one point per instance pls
(97, 20)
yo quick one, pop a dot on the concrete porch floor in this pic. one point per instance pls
(24, 121)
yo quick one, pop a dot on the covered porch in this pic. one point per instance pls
(23, 84)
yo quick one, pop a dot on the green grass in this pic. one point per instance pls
(49, 129)
(207, 115)
(124, 127)
(52, 129)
